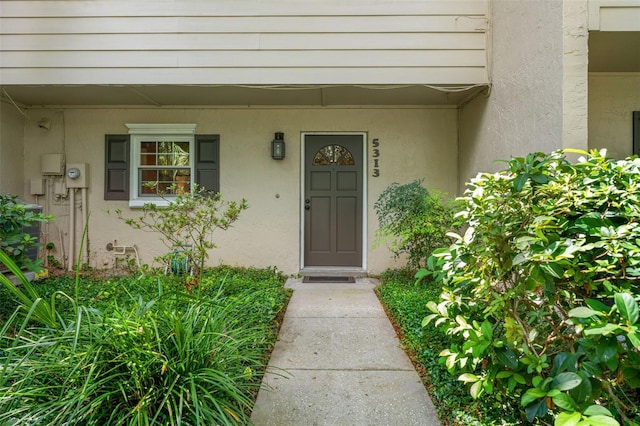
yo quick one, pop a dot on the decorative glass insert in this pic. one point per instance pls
(165, 167)
(333, 155)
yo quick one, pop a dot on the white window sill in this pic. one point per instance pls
(140, 202)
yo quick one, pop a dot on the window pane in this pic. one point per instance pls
(166, 175)
(149, 147)
(149, 175)
(164, 167)
(148, 159)
(333, 154)
(182, 146)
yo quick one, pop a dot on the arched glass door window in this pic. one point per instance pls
(333, 155)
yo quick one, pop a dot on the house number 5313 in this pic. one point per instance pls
(376, 157)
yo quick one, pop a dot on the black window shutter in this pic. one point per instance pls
(116, 167)
(636, 133)
(207, 162)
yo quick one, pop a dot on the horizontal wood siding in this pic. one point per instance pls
(243, 42)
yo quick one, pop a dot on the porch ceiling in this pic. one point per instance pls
(614, 51)
(174, 95)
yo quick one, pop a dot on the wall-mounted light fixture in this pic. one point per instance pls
(277, 146)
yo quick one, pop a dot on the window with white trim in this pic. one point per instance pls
(162, 161)
(159, 159)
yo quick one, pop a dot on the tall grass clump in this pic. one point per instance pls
(161, 358)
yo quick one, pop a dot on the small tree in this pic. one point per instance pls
(541, 292)
(186, 226)
(413, 221)
(14, 218)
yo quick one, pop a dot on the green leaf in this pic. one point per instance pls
(540, 178)
(468, 378)
(627, 307)
(565, 402)
(476, 390)
(566, 381)
(487, 330)
(634, 338)
(531, 395)
(504, 374)
(537, 409)
(564, 361)
(602, 421)
(553, 269)
(582, 392)
(519, 181)
(567, 419)
(597, 410)
(507, 357)
(596, 305)
(519, 378)
(583, 312)
(422, 273)
(604, 330)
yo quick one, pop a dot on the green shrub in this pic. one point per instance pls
(14, 217)
(541, 292)
(186, 226)
(140, 351)
(413, 221)
(406, 305)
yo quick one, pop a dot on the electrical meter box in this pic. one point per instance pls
(77, 175)
(52, 165)
(37, 186)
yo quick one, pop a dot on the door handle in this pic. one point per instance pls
(307, 207)
(307, 201)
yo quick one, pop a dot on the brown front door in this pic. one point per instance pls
(333, 200)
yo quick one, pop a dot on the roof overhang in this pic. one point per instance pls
(226, 95)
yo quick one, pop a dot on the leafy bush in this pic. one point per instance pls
(163, 357)
(14, 217)
(541, 292)
(413, 221)
(406, 305)
(187, 224)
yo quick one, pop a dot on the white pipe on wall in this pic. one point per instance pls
(85, 218)
(72, 226)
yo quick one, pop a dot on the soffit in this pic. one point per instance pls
(175, 95)
(617, 51)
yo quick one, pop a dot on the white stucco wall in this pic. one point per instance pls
(414, 143)
(612, 99)
(575, 58)
(12, 125)
(524, 111)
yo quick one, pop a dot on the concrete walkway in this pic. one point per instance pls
(338, 362)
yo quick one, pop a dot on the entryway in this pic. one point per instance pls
(333, 200)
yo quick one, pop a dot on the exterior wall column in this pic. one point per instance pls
(575, 93)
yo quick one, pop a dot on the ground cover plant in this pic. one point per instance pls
(136, 350)
(540, 294)
(406, 305)
(413, 221)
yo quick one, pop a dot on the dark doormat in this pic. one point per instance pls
(308, 279)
